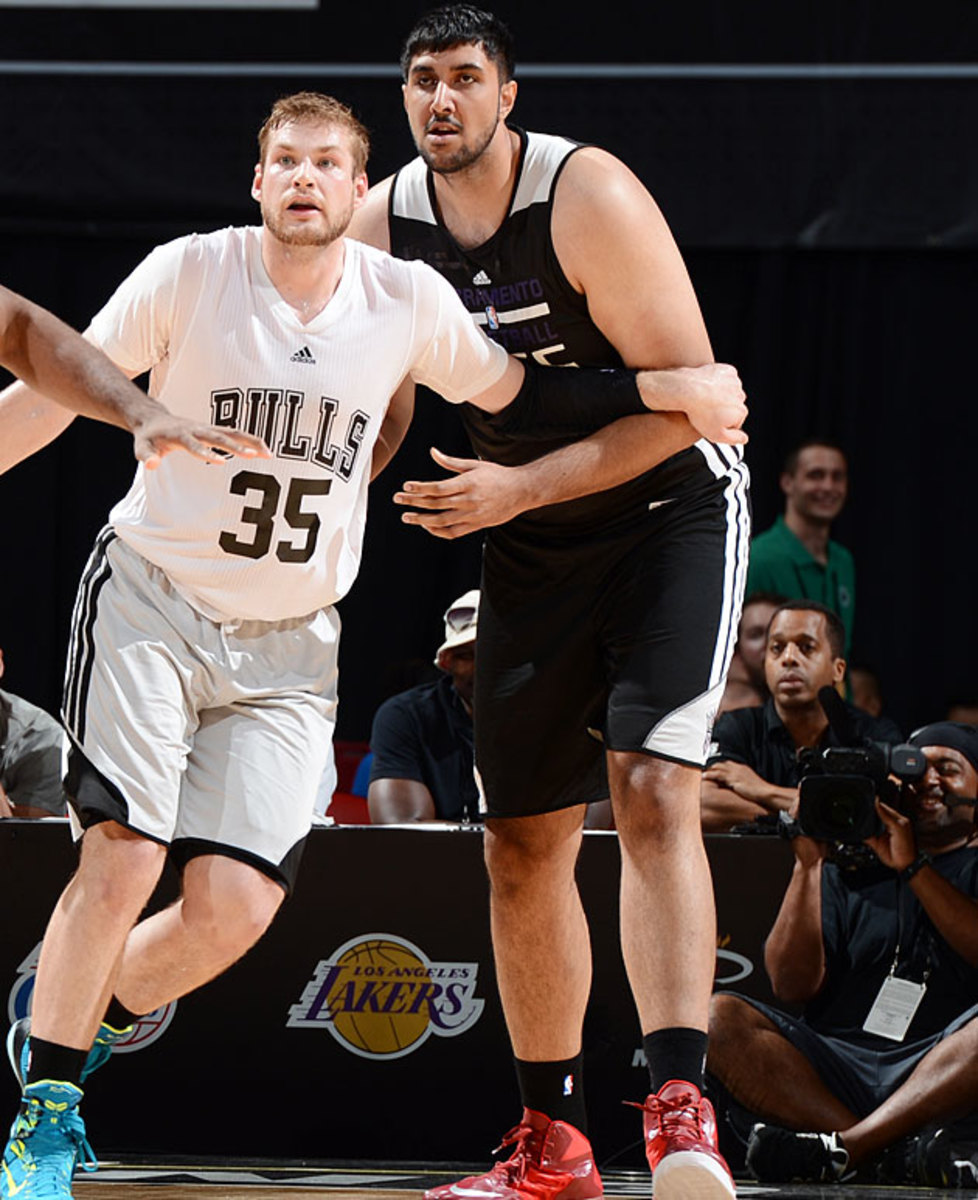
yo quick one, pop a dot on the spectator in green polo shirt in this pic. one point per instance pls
(796, 557)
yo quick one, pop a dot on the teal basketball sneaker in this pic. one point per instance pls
(47, 1142)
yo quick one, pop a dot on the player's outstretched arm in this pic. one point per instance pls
(74, 377)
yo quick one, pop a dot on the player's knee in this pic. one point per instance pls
(244, 930)
(228, 909)
(117, 874)
(527, 853)
(654, 800)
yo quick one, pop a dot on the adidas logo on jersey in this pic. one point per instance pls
(303, 355)
(481, 279)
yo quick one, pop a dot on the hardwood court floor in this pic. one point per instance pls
(116, 1181)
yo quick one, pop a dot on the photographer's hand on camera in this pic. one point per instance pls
(896, 846)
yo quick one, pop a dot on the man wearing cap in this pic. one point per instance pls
(421, 739)
(884, 962)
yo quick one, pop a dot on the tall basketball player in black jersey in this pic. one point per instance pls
(611, 590)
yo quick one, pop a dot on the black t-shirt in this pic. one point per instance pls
(865, 915)
(425, 734)
(757, 737)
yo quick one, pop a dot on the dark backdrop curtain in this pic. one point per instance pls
(828, 212)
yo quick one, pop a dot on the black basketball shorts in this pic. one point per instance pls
(616, 640)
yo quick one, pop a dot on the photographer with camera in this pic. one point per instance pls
(756, 760)
(884, 962)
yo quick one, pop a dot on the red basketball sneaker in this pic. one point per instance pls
(681, 1146)
(552, 1159)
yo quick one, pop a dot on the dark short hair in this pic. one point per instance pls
(835, 631)
(762, 597)
(790, 464)
(459, 25)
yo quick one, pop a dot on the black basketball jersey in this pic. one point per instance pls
(515, 289)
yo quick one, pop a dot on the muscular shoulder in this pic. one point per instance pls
(370, 222)
(613, 243)
(594, 179)
(597, 197)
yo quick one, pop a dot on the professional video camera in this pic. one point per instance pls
(840, 784)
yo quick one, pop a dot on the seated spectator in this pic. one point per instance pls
(867, 693)
(30, 759)
(422, 767)
(753, 770)
(796, 556)
(884, 961)
(746, 686)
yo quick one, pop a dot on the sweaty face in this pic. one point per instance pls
(799, 659)
(306, 184)
(454, 103)
(752, 640)
(948, 773)
(817, 489)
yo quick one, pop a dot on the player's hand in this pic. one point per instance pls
(711, 396)
(163, 433)
(477, 495)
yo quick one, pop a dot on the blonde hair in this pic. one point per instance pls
(315, 106)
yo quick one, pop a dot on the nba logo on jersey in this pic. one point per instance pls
(491, 317)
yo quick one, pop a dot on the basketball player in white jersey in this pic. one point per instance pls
(52, 358)
(201, 684)
(616, 612)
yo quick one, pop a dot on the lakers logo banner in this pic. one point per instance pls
(381, 997)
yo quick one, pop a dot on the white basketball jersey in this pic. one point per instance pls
(270, 539)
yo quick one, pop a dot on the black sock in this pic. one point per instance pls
(48, 1060)
(119, 1017)
(555, 1089)
(675, 1053)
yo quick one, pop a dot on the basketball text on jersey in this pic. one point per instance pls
(381, 997)
(276, 415)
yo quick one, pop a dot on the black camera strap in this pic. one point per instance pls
(899, 998)
(924, 936)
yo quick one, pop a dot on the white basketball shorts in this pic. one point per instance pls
(209, 737)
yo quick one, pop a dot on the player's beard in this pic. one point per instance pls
(308, 235)
(464, 156)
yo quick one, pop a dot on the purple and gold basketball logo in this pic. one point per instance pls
(381, 997)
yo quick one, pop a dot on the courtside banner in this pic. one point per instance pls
(375, 985)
